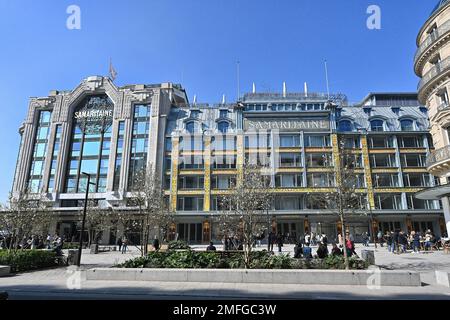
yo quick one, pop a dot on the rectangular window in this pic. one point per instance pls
(413, 160)
(289, 160)
(291, 141)
(190, 204)
(388, 201)
(381, 142)
(416, 180)
(411, 142)
(383, 161)
(383, 180)
(319, 160)
(223, 182)
(320, 180)
(317, 141)
(288, 180)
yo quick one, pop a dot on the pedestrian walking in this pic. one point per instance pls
(380, 238)
(124, 244)
(271, 239)
(280, 242)
(119, 243)
(156, 244)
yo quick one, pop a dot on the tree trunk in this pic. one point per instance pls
(347, 267)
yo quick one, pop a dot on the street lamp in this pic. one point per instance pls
(84, 216)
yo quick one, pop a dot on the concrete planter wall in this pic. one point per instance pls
(313, 277)
(4, 270)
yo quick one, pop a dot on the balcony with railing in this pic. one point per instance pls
(433, 38)
(438, 162)
(436, 72)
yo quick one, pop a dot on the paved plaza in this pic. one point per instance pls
(64, 283)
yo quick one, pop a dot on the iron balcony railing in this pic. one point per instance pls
(438, 69)
(438, 156)
(435, 35)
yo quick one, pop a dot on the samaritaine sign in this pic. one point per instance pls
(95, 114)
(286, 124)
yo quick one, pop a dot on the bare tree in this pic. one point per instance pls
(147, 195)
(98, 220)
(246, 207)
(23, 216)
(348, 197)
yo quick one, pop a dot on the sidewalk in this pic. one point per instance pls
(57, 283)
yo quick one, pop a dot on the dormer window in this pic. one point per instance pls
(424, 110)
(345, 126)
(407, 125)
(223, 114)
(396, 110)
(377, 125)
(367, 111)
(195, 113)
(223, 126)
(190, 127)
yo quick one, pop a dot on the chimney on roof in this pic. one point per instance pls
(284, 90)
(195, 99)
(223, 99)
(254, 88)
(306, 90)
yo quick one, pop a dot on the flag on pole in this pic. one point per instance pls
(112, 71)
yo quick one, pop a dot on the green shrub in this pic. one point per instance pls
(25, 260)
(178, 245)
(189, 259)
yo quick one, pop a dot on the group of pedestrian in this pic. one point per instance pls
(304, 250)
(34, 242)
(398, 241)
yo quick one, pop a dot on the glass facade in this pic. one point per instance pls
(90, 150)
(54, 164)
(35, 180)
(119, 155)
(139, 142)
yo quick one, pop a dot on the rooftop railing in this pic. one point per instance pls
(432, 38)
(295, 96)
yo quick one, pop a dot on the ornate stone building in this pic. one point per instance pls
(432, 65)
(112, 132)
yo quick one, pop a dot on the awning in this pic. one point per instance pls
(434, 193)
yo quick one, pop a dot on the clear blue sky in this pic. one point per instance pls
(199, 42)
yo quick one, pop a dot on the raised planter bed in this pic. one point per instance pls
(312, 277)
(4, 270)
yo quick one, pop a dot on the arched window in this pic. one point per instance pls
(407, 125)
(345, 126)
(223, 126)
(190, 127)
(377, 125)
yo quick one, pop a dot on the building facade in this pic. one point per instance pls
(196, 150)
(432, 65)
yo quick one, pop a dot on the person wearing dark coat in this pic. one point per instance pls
(119, 243)
(335, 251)
(322, 251)
(280, 242)
(298, 250)
(211, 247)
(156, 244)
(396, 240)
